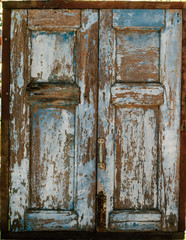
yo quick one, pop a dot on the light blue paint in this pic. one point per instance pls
(145, 18)
(52, 56)
(51, 220)
(70, 13)
(56, 129)
(92, 16)
(86, 37)
(86, 46)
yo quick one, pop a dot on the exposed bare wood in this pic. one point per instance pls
(182, 197)
(5, 121)
(135, 220)
(143, 55)
(87, 79)
(136, 158)
(53, 56)
(133, 226)
(19, 121)
(169, 120)
(54, 221)
(137, 94)
(106, 111)
(93, 4)
(54, 20)
(53, 155)
(57, 104)
(59, 94)
(132, 216)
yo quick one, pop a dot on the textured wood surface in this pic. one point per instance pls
(182, 199)
(131, 216)
(57, 94)
(86, 122)
(144, 94)
(51, 62)
(133, 226)
(53, 19)
(136, 158)
(143, 19)
(45, 219)
(60, 173)
(5, 121)
(53, 155)
(106, 111)
(141, 182)
(19, 121)
(141, 143)
(94, 4)
(169, 121)
(137, 56)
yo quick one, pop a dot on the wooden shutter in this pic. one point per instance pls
(139, 118)
(53, 119)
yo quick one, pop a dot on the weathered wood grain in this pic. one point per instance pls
(78, 187)
(136, 158)
(53, 155)
(135, 216)
(138, 18)
(169, 120)
(53, 19)
(106, 111)
(5, 121)
(57, 94)
(55, 4)
(137, 55)
(19, 121)
(45, 220)
(133, 226)
(144, 94)
(86, 121)
(182, 196)
(53, 56)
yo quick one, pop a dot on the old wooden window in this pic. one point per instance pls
(94, 124)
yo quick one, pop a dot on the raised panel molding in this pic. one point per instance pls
(144, 94)
(53, 93)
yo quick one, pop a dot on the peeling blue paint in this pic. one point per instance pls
(146, 18)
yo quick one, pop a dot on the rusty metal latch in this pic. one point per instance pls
(101, 212)
(101, 164)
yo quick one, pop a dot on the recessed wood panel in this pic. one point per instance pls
(138, 18)
(52, 56)
(136, 158)
(137, 56)
(54, 19)
(52, 153)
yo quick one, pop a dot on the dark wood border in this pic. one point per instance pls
(94, 236)
(5, 119)
(183, 132)
(91, 4)
(5, 107)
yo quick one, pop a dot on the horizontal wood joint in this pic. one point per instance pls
(61, 93)
(138, 94)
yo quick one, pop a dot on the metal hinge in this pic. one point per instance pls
(183, 126)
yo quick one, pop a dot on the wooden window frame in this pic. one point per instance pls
(62, 4)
